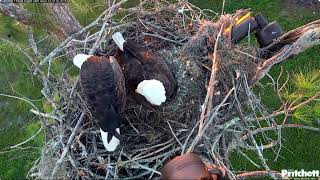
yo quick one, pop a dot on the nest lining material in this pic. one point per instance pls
(151, 136)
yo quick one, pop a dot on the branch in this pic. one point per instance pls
(295, 41)
(210, 91)
(43, 123)
(212, 116)
(61, 14)
(85, 29)
(256, 131)
(67, 23)
(256, 174)
(16, 12)
(277, 113)
(66, 148)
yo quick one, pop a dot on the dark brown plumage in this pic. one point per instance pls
(138, 64)
(103, 86)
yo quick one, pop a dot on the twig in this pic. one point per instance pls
(281, 127)
(275, 114)
(66, 148)
(255, 174)
(149, 169)
(260, 155)
(174, 134)
(32, 41)
(158, 36)
(46, 115)
(43, 123)
(85, 29)
(212, 116)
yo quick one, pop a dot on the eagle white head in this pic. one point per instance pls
(118, 39)
(79, 59)
(153, 90)
(114, 142)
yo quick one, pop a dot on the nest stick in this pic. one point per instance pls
(307, 39)
(66, 148)
(62, 46)
(212, 116)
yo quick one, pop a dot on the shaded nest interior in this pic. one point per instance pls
(186, 42)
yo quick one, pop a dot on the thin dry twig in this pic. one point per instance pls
(66, 148)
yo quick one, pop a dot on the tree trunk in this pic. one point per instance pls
(16, 12)
(60, 14)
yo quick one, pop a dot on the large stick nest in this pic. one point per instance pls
(185, 37)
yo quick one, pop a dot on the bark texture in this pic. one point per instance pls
(60, 14)
(16, 12)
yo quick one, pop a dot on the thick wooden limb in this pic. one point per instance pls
(61, 14)
(63, 45)
(302, 39)
(16, 12)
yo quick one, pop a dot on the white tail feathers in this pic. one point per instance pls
(79, 59)
(114, 142)
(118, 39)
(153, 90)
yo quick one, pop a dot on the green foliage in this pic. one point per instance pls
(15, 164)
(39, 15)
(11, 30)
(300, 145)
(303, 86)
(300, 149)
(305, 114)
(87, 11)
(307, 83)
(16, 122)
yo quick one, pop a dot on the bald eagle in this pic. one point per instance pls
(102, 84)
(146, 74)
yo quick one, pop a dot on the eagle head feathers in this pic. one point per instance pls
(79, 59)
(119, 40)
(146, 73)
(153, 90)
(102, 84)
(104, 79)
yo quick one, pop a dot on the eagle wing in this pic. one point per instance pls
(120, 82)
(154, 67)
(131, 68)
(103, 87)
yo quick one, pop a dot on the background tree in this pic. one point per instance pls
(77, 36)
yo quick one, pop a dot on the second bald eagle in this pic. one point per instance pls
(103, 87)
(146, 74)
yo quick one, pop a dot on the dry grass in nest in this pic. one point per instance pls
(182, 35)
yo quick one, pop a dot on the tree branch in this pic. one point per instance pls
(61, 14)
(66, 148)
(16, 12)
(255, 174)
(292, 43)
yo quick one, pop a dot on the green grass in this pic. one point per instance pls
(299, 152)
(87, 12)
(16, 123)
(302, 146)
